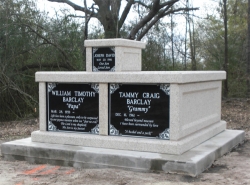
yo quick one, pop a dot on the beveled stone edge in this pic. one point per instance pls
(129, 143)
(114, 42)
(130, 77)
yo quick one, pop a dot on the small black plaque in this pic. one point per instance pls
(73, 107)
(139, 110)
(103, 59)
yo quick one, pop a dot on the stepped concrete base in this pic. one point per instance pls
(192, 162)
(130, 143)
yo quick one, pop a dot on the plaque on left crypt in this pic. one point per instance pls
(73, 107)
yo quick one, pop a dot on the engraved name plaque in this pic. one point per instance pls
(139, 110)
(73, 107)
(103, 59)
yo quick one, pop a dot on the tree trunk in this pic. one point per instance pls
(226, 49)
(248, 53)
(86, 23)
(109, 28)
(108, 15)
(185, 51)
(109, 23)
(194, 49)
(192, 46)
(172, 41)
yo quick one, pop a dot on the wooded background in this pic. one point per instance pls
(31, 41)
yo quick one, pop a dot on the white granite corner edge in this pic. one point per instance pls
(103, 109)
(42, 106)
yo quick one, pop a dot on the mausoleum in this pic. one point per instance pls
(115, 115)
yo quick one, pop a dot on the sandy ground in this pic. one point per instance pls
(232, 168)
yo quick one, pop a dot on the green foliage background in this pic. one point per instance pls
(210, 38)
(30, 41)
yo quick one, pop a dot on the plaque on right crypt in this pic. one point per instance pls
(139, 110)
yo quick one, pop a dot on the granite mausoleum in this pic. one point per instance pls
(116, 115)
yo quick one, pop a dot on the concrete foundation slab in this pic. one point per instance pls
(192, 162)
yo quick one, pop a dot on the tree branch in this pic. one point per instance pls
(53, 44)
(142, 4)
(38, 66)
(125, 13)
(156, 18)
(179, 9)
(152, 23)
(75, 16)
(153, 11)
(12, 85)
(75, 6)
(168, 3)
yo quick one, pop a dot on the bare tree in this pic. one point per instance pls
(248, 53)
(172, 40)
(225, 47)
(185, 51)
(108, 11)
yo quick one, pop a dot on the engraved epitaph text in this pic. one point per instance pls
(73, 107)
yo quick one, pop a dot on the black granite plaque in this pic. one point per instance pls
(103, 59)
(73, 107)
(139, 110)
